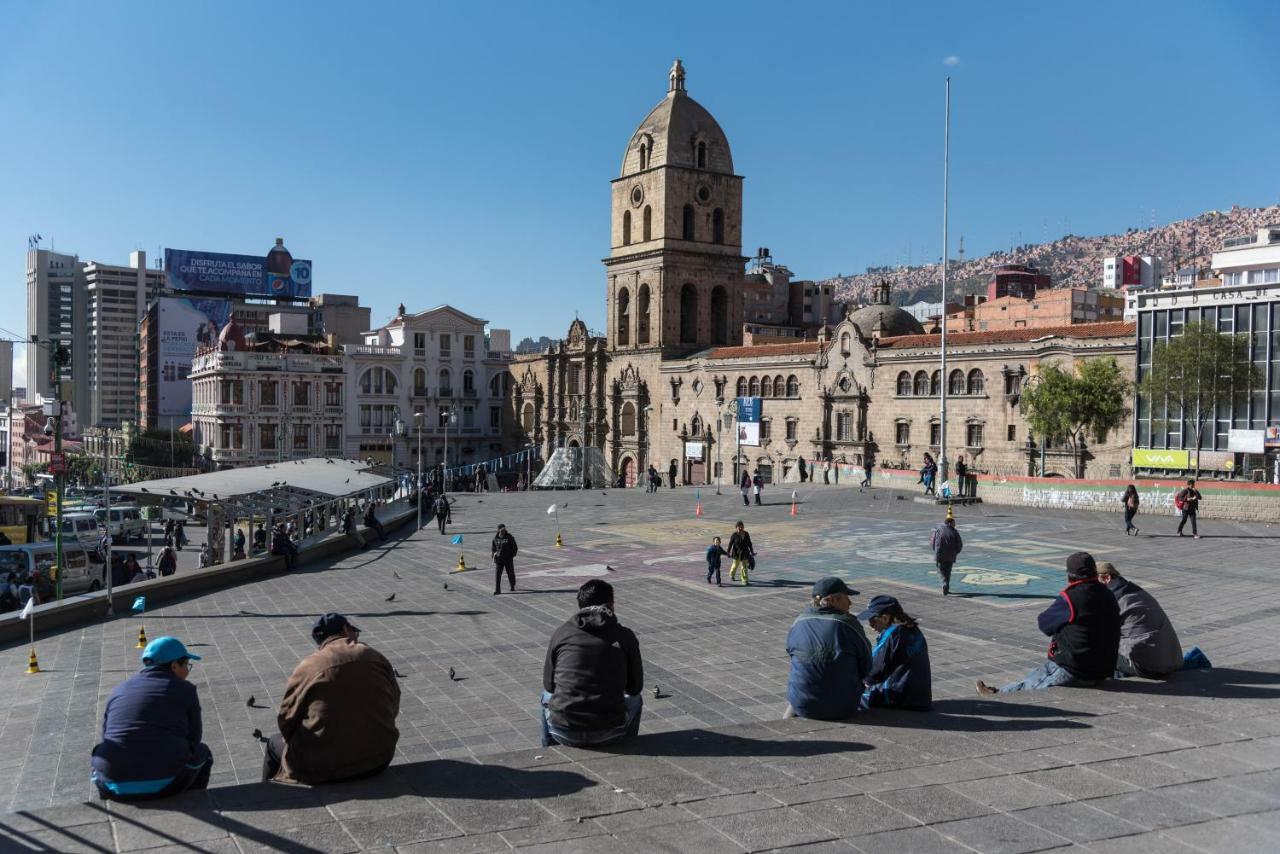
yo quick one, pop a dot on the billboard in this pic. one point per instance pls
(183, 324)
(276, 274)
(749, 409)
(1155, 458)
(1247, 441)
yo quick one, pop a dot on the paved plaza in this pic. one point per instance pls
(1188, 765)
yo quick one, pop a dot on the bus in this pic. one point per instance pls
(20, 518)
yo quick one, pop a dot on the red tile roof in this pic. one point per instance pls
(800, 348)
(1114, 329)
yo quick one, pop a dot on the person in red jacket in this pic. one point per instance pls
(1084, 623)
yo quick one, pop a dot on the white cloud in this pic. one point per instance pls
(951, 61)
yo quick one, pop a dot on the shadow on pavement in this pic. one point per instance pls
(701, 742)
(961, 715)
(1221, 682)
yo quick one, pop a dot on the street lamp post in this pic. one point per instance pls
(719, 433)
(446, 415)
(417, 421)
(397, 430)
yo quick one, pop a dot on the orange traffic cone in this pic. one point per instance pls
(793, 504)
(697, 511)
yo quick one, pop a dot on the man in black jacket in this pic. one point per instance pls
(593, 675)
(1084, 622)
(504, 556)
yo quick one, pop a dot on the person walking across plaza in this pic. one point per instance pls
(592, 676)
(744, 486)
(757, 486)
(1187, 502)
(1084, 624)
(672, 471)
(743, 553)
(337, 718)
(804, 471)
(441, 510)
(830, 656)
(1130, 501)
(152, 729)
(826, 472)
(899, 676)
(947, 544)
(167, 563)
(867, 465)
(655, 479)
(714, 553)
(504, 551)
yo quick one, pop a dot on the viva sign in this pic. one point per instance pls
(1156, 458)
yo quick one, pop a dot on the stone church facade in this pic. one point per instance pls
(659, 387)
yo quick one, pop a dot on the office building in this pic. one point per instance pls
(55, 312)
(116, 299)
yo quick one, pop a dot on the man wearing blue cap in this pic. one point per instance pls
(151, 731)
(830, 656)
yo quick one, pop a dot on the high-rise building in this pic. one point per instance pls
(55, 312)
(116, 299)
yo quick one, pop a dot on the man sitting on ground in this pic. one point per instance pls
(151, 731)
(593, 675)
(338, 716)
(1149, 646)
(371, 520)
(1084, 622)
(830, 656)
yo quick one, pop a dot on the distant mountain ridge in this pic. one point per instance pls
(1071, 261)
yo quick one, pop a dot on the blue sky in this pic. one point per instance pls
(461, 153)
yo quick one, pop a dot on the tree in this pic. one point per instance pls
(1195, 374)
(1064, 406)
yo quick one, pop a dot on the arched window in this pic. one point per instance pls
(648, 223)
(845, 344)
(642, 333)
(378, 381)
(688, 314)
(695, 426)
(499, 385)
(935, 383)
(955, 382)
(468, 382)
(742, 386)
(717, 225)
(446, 383)
(766, 387)
(623, 333)
(644, 155)
(419, 381)
(793, 386)
(779, 386)
(702, 155)
(921, 384)
(687, 230)
(977, 382)
(526, 418)
(754, 387)
(626, 228)
(904, 384)
(627, 419)
(719, 316)
(391, 383)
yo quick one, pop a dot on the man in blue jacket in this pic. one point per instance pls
(151, 731)
(1084, 623)
(830, 656)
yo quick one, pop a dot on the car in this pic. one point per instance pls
(126, 523)
(78, 574)
(84, 528)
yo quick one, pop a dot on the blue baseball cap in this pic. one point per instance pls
(878, 605)
(165, 651)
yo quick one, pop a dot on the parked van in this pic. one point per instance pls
(126, 523)
(83, 528)
(78, 575)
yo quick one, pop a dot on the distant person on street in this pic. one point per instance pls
(744, 486)
(899, 676)
(743, 553)
(132, 568)
(867, 463)
(757, 485)
(714, 553)
(1084, 623)
(9, 600)
(803, 470)
(351, 529)
(1187, 501)
(1149, 646)
(282, 546)
(672, 471)
(204, 555)
(168, 562)
(826, 472)
(1130, 501)
(962, 477)
(593, 675)
(830, 656)
(441, 510)
(655, 479)
(337, 718)
(180, 534)
(152, 729)
(946, 543)
(371, 520)
(259, 538)
(504, 550)
(237, 545)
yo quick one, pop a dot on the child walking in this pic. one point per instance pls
(714, 553)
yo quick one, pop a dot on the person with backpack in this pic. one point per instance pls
(1130, 501)
(168, 562)
(441, 510)
(1187, 502)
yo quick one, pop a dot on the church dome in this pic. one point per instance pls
(882, 319)
(678, 132)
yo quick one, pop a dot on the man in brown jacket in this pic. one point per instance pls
(338, 716)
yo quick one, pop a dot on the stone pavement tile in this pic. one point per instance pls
(422, 825)
(89, 838)
(1084, 752)
(329, 838)
(68, 815)
(1143, 772)
(777, 828)
(622, 823)
(1152, 810)
(1224, 836)
(1079, 782)
(809, 769)
(1254, 753)
(917, 840)
(1142, 843)
(854, 816)
(494, 813)
(590, 802)
(932, 804)
(153, 827)
(734, 804)
(1009, 793)
(1077, 821)
(833, 846)
(1269, 821)
(621, 769)
(1000, 834)
(956, 771)
(682, 838)
(483, 843)
(1023, 761)
(544, 833)
(803, 793)
(226, 845)
(671, 788)
(1201, 762)
(272, 819)
(886, 781)
(1221, 798)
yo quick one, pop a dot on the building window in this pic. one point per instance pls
(793, 386)
(687, 229)
(267, 437)
(468, 382)
(702, 155)
(921, 384)
(378, 381)
(973, 436)
(742, 386)
(627, 419)
(844, 423)
(766, 387)
(575, 380)
(845, 344)
(935, 433)
(526, 417)
(301, 394)
(267, 393)
(446, 345)
(468, 417)
(301, 436)
(904, 384)
(648, 223)
(902, 433)
(419, 382)
(717, 225)
(753, 387)
(626, 228)
(232, 393)
(935, 383)
(955, 383)
(792, 427)
(332, 437)
(1012, 431)
(1012, 383)
(766, 428)
(468, 346)
(420, 344)
(495, 418)
(977, 383)
(624, 317)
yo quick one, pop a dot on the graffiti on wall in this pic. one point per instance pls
(1093, 499)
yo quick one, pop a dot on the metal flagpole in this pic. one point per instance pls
(106, 502)
(942, 385)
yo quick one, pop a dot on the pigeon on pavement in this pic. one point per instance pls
(446, 585)
(609, 568)
(453, 677)
(390, 598)
(396, 574)
(250, 701)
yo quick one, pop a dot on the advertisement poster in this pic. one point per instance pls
(276, 274)
(1155, 458)
(749, 433)
(184, 325)
(693, 451)
(749, 409)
